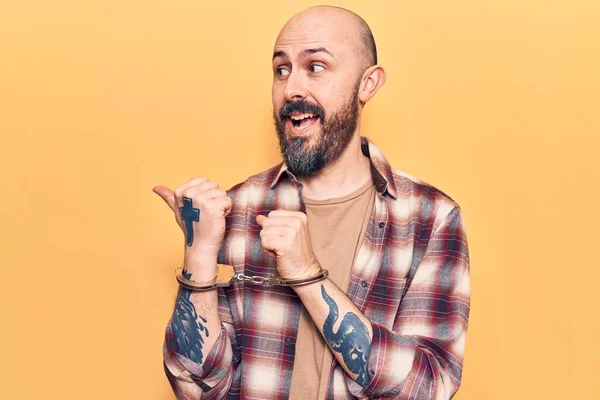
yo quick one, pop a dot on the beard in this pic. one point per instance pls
(304, 159)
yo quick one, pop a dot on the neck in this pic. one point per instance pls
(343, 177)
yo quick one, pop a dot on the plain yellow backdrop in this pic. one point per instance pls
(494, 102)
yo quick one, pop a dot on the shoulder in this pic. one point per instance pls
(258, 182)
(420, 199)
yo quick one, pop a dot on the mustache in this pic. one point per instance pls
(301, 106)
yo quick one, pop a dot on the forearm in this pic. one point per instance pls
(376, 359)
(198, 359)
(345, 329)
(195, 323)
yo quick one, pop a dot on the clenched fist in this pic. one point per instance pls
(200, 208)
(284, 235)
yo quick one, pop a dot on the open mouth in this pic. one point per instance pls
(301, 122)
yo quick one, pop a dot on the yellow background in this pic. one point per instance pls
(494, 102)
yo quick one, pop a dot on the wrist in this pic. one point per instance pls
(310, 270)
(200, 252)
(200, 246)
(202, 266)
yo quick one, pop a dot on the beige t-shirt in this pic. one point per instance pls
(337, 227)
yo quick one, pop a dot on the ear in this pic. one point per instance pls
(373, 78)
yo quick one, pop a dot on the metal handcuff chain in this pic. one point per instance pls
(226, 275)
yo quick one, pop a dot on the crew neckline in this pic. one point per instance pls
(337, 200)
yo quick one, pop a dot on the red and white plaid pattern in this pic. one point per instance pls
(418, 339)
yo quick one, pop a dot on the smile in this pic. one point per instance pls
(301, 122)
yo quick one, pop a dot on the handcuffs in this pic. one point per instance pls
(226, 275)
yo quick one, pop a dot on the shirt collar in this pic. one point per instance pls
(381, 170)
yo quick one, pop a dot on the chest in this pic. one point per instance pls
(265, 319)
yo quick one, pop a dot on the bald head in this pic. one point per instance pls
(369, 50)
(340, 24)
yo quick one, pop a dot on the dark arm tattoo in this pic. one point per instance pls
(187, 325)
(351, 340)
(189, 214)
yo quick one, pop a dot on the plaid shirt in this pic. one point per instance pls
(410, 279)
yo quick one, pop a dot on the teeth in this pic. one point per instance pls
(302, 116)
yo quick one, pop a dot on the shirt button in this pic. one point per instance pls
(364, 284)
(288, 341)
(381, 225)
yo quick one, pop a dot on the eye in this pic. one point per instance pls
(281, 71)
(316, 68)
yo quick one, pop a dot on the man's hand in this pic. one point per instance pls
(284, 235)
(204, 210)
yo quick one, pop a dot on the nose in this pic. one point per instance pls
(295, 88)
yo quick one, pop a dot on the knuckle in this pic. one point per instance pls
(189, 194)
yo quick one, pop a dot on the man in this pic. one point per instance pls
(390, 320)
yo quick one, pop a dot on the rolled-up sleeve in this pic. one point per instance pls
(422, 356)
(191, 380)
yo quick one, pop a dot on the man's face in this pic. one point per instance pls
(315, 92)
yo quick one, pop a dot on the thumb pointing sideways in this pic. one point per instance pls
(166, 194)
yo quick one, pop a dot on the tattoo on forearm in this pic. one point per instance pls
(189, 215)
(187, 325)
(351, 340)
